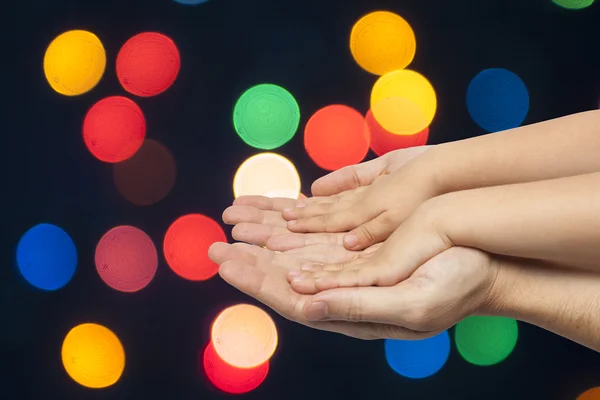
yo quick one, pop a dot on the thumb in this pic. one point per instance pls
(349, 177)
(375, 231)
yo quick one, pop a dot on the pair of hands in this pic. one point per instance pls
(308, 271)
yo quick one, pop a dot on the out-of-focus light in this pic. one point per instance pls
(126, 259)
(383, 141)
(186, 246)
(486, 341)
(592, 394)
(418, 358)
(574, 4)
(74, 62)
(267, 174)
(93, 356)
(47, 257)
(244, 336)
(337, 136)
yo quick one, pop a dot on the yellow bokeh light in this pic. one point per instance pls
(74, 62)
(244, 336)
(403, 102)
(93, 356)
(267, 174)
(382, 42)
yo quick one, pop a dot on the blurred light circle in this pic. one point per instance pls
(382, 42)
(418, 358)
(486, 341)
(244, 336)
(231, 379)
(337, 136)
(574, 4)
(497, 100)
(148, 176)
(267, 174)
(148, 64)
(592, 394)
(266, 116)
(114, 129)
(93, 356)
(126, 259)
(191, 2)
(47, 257)
(186, 246)
(383, 141)
(403, 102)
(74, 62)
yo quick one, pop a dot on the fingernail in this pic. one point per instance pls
(298, 279)
(294, 273)
(307, 267)
(350, 240)
(293, 222)
(316, 311)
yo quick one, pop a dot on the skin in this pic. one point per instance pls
(548, 150)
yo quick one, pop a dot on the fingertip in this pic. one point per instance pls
(216, 252)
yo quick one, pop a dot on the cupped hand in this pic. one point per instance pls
(443, 291)
(369, 214)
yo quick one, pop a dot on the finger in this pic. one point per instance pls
(324, 254)
(332, 223)
(349, 177)
(327, 205)
(372, 232)
(307, 280)
(257, 234)
(288, 241)
(265, 203)
(237, 214)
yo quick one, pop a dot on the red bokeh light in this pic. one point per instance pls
(114, 129)
(383, 141)
(337, 136)
(186, 246)
(148, 64)
(126, 259)
(148, 176)
(228, 378)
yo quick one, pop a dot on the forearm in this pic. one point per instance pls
(556, 148)
(560, 300)
(556, 220)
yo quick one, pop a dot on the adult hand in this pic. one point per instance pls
(443, 291)
(371, 213)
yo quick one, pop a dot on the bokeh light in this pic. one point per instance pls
(574, 4)
(497, 99)
(231, 379)
(244, 336)
(266, 116)
(486, 341)
(381, 42)
(148, 176)
(93, 356)
(148, 64)
(418, 358)
(114, 129)
(403, 102)
(337, 136)
(126, 259)
(267, 174)
(74, 62)
(383, 141)
(592, 394)
(47, 257)
(191, 2)
(186, 246)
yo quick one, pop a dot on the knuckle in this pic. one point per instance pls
(355, 177)
(354, 308)
(366, 233)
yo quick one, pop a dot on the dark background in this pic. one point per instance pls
(228, 46)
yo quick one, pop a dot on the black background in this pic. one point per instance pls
(228, 46)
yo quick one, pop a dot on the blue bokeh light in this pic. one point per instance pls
(191, 2)
(419, 358)
(47, 257)
(497, 99)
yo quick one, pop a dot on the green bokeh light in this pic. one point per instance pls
(266, 116)
(574, 4)
(485, 341)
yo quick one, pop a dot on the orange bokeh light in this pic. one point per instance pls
(114, 129)
(592, 394)
(244, 336)
(126, 259)
(228, 378)
(337, 136)
(384, 141)
(148, 176)
(186, 246)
